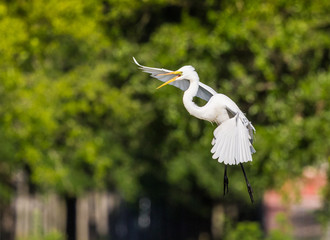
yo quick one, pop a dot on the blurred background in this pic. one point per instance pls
(89, 150)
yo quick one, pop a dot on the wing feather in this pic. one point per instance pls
(204, 92)
(221, 149)
(241, 145)
(231, 144)
(233, 109)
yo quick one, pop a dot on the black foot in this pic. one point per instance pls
(249, 188)
(250, 191)
(225, 182)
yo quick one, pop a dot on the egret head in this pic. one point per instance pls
(185, 72)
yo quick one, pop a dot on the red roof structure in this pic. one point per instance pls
(298, 201)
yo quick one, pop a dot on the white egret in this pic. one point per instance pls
(233, 137)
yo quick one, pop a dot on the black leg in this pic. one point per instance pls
(248, 184)
(225, 182)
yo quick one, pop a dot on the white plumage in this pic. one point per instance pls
(232, 142)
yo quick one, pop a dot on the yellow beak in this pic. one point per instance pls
(171, 80)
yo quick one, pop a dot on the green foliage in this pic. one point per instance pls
(284, 230)
(245, 231)
(53, 235)
(37, 232)
(76, 113)
(278, 235)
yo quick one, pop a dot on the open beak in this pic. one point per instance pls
(171, 80)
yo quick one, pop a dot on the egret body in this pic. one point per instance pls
(232, 141)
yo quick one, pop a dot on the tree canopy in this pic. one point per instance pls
(76, 114)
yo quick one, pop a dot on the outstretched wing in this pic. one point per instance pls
(204, 92)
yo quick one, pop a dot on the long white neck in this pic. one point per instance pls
(188, 96)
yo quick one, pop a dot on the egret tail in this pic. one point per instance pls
(232, 142)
